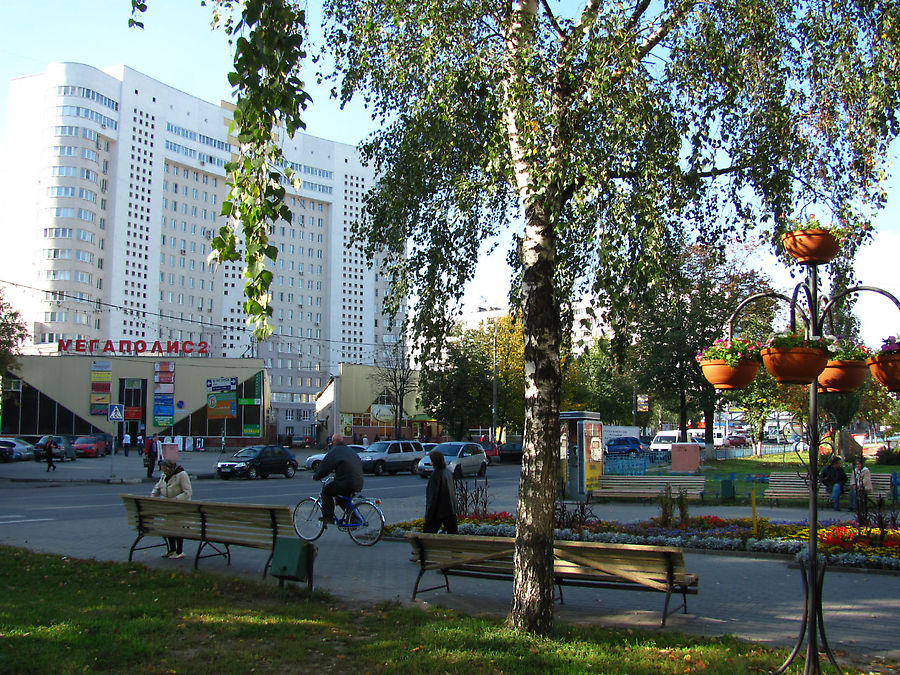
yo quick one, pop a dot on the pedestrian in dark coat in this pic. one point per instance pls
(51, 445)
(440, 497)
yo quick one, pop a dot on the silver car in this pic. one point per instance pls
(313, 461)
(19, 450)
(463, 459)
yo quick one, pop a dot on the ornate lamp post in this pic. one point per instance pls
(813, 310)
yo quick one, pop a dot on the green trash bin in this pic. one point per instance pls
(728, 490)
(293, 559)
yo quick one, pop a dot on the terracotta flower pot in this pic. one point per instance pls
(795, 365)
(723, 376)
(885, 369)
(811, 247)
(842, 376)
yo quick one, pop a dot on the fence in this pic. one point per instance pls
(635, 466)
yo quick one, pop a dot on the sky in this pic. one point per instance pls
(177, 47)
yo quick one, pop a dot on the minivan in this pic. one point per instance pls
(663, 440)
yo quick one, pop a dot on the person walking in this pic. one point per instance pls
(173, 484)
(151, 453)
(48, 454)
(833, 478)
(126, 442)
(860, 484)
(440, 497)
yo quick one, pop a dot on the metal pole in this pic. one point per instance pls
(494, 399)
(813, 608)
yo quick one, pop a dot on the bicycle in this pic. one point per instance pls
(362, 519)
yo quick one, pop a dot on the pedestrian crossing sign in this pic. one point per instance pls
(116, 412)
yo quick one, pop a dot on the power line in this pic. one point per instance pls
(141, 316)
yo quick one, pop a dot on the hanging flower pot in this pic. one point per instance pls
(885, 368)
(842, 376)
(794, 365)
(812, 246)
(723, 376)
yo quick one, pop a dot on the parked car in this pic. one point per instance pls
(736, 441)
(625, 445)
(313, 461)
(64, 449)
(491, 451)
(391, 456)
(258, 461)
(94, 445)
(15, 449)
(511, 452)
(663, 440)
(463, 458)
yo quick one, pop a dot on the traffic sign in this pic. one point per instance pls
(116, 412)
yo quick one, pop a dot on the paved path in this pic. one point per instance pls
(754, 598)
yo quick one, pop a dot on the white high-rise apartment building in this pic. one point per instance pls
(112, 198)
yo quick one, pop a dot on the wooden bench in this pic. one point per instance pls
(795, 486)
(575, 563)
(648, 487)
(213, 524)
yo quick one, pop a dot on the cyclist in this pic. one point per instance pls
(348, 475)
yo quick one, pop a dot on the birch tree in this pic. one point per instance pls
(597, 130)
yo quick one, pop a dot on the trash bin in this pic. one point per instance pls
(728, 490)
(293, 559)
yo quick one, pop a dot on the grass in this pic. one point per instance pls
(61, 615)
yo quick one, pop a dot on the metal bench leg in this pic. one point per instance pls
(666, 608)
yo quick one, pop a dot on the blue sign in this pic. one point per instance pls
(116, 412)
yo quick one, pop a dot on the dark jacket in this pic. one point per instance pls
(832, 474)
(440, 495)
(345, 464)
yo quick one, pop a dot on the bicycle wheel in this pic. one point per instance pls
(365, 524)
(308, 519)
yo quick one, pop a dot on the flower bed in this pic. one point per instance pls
(840, 543)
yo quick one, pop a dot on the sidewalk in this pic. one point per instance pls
(119, 468)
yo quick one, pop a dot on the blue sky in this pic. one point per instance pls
(177, 47)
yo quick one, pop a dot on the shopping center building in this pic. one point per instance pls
(158, 387)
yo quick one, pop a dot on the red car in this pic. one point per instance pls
(91, 446)
(491, 451)
(737, 441)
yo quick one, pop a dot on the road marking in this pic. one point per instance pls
(23, 520)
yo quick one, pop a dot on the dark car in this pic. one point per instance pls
(626, 445)
(258, 461)
(64, 449)
(511, 451)
(93, 445)
(736, 441)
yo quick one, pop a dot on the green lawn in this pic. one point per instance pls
(60, 615)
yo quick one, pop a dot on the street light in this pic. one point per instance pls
(814, 315)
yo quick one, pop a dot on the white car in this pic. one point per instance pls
(463, 459)
(313, 461)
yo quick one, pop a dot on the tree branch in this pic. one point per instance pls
(553, 21)
(659, 35)
(636, 16)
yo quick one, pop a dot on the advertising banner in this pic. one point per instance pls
(132, 412)
(101, 376)
(221, 405)
(592, 437)
(100, 387)
(100, 398)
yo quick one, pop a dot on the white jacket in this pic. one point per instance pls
(177, 486)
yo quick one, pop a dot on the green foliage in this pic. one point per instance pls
(12, 334)
(595, 381)
(457, 392)
(268, 41)
(731, 352)
(847, 349)
(794, 340)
